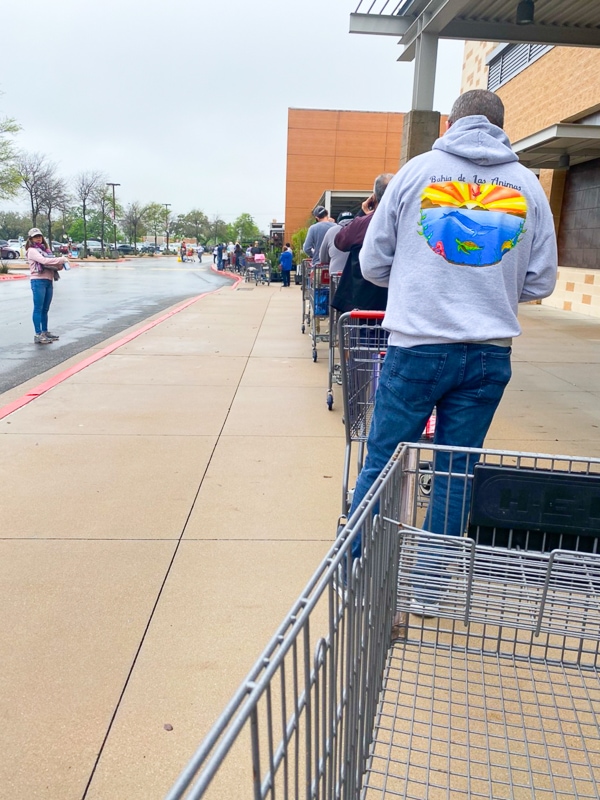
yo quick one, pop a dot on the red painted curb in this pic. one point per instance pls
(62, 376)
(237, 279)
(13, 277)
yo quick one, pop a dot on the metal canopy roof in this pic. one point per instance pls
(559, 146)
(338, 200)
(557, 22)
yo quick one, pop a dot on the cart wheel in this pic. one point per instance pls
(329, 400)
(425, 482)
(315, 354)
(303, 328)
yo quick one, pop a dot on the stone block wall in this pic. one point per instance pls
(576, 290)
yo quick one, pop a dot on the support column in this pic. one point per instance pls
(419, 132)
(553, 183)
(421, 125)
(426, 48)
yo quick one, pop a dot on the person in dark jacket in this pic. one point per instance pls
(353, 290)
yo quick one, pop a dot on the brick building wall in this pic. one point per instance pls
(338, 150)
(560, 85)
(563, 85)
(474, 70)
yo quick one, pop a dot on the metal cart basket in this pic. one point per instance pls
(304, 270)
(358, 696)
(363, 345)
(335, 369)
(318, 297)
(258, 269)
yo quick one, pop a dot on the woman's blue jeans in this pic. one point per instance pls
(465, 383)
(42, 289)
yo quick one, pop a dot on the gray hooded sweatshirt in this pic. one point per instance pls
(462, 235)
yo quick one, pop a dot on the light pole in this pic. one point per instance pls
(167, 206)
(114, 213)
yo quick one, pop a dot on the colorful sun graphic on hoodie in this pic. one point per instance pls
(472, 224)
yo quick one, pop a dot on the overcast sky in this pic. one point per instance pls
(185, 102)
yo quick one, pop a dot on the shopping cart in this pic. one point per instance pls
(356, 696)
(318, 298)
(258, 269)
(335, 369)
(363, 345)
(304, 270)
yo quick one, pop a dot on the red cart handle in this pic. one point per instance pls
(358, 314)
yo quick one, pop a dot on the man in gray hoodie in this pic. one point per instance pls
(316, 233)
(463, 234)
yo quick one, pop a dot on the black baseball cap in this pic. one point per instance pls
(344, 215)
(320, 211)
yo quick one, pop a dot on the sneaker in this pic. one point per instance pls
(41, 338)
(425, 609)
(51, 336)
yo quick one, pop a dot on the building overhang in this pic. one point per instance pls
(556, 22)
(559, 146)
(338, 200)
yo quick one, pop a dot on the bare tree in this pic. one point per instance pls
(53, 196)
(133, 219)
(35, 173)
(85, 184)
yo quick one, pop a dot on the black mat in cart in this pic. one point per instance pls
(535, 509)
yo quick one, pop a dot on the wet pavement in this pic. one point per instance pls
(90, 304)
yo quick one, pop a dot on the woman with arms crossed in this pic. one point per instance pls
(44, 271)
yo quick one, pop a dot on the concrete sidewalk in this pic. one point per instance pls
(163, 508)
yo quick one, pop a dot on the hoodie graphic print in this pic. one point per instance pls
(472, 224)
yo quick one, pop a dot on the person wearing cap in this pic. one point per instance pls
(43, 268)
(316, 233)
(329, 254)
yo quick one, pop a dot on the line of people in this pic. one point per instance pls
(233, 256)
(448, 247)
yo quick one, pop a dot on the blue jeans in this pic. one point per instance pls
(465, 383)
(42, 289)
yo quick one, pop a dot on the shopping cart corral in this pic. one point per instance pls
(497, 695)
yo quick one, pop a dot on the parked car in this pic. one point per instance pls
(149, 248)
(92, 245)
(16, 248)
(126, 249)
(8, 252)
